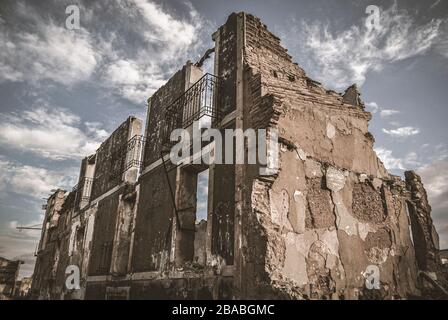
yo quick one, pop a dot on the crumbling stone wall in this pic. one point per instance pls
(111, 157)
(311, 230)
(223, 217)
(426, 240)
(226, 47)
(113, 201)
(23, 288)
(103, 235)
(45, 276)
(152, 239)
(86, 230)
(9, 270)
(156, 122)
(85, 182)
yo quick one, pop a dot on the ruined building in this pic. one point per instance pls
(307, 231)
(22, 288)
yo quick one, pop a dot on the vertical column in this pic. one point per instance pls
(239, 168)
(211, 176)
(226, 180)
(182, 241)
(133, 150)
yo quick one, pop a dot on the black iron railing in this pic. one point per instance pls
(83, 190)
(134, 149)
(199, 101)
(86, 188)
(127, 156)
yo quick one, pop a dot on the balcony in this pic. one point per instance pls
(198, 102)
(127, 156)
(83, 190)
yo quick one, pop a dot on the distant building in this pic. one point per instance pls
(9, 270)
(23, 288)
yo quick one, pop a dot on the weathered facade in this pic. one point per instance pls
(23, 288)
(307, 231)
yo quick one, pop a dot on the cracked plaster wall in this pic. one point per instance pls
(332, 210)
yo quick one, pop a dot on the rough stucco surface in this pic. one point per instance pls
(328, 214)
(158, 103)
(110, 160)
(153, 223)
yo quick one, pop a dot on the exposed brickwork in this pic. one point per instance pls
(319, 211)
(367, 203)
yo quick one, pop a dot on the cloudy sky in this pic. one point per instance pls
(63, 91)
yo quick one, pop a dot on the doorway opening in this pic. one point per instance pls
(192, 201)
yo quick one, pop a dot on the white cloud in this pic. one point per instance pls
(372, 107)
(161, 42)
(402, 132)
(410, 161)
(95, 128)
(135, 80)
(33, 181)
(27, 268)
(175, 34)
(389, 161)
(48, 52)
(347, 56)
(20, 245)
(202, 195)
(26, 234)
(435, 180)
(442, 44)
(388, 112)
(435, 176)
(167, 41)
(124, 72)
(50, 132)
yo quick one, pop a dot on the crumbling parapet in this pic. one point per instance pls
(353, 97)
(426, 239)
(312, 229)
(85, 182)
(127, 206)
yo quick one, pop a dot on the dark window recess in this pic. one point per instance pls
(105, 258)
(192, 216)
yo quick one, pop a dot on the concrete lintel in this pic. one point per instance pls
(228, 119)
